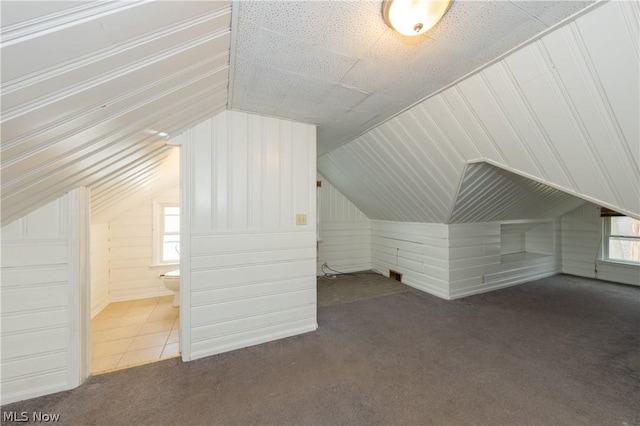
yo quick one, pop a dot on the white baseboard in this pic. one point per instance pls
(268, 337)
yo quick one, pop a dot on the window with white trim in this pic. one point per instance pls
(166, 233)
(621, 239)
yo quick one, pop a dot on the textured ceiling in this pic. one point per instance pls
(337, 64)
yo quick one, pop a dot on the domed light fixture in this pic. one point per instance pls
(413, 17)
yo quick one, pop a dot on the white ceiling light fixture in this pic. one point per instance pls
(413, 17)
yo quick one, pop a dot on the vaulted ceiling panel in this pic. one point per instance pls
(91, 90)
(554, 111)
(396, 179)
(612, 55)
(128, 188)
(488, 193)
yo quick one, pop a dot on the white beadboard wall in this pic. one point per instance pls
(248, 271)
(420, 251)
(40, 302)
(478, 263)
(581, 248)
(100, 257)
(90, 111)
(131, 252)
(345, 232)
(488, 193)
(474, 250)
(512, 237)
(543, 238)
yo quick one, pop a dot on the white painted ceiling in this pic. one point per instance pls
(88, 90)
(112, 197)
(337, 64)
(488, 193)
(562, 111)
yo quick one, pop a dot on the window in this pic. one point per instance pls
(621, 239)
(166, 233)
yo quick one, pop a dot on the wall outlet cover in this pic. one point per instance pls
(301, 219)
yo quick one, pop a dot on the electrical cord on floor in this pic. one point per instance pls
(334, 274)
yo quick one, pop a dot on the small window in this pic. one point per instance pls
(622, 239)
(166, 233)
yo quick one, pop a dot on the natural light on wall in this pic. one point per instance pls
(413, 17)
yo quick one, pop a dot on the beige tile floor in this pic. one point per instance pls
(136, 332)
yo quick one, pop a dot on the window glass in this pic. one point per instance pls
(623, 239)
(166, 233)
(623, 225)
(171, 223)
(170, 248)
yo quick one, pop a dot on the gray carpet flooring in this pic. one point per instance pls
(561, 350)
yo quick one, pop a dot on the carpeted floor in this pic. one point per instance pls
(561, 350)
(340, 289)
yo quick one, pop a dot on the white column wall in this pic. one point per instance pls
(247, 269)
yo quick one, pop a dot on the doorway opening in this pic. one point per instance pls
(135, 264)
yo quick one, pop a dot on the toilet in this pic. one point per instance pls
(172, 282)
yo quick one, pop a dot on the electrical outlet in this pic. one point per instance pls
(301, 219)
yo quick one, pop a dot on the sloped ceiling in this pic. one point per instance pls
(92, 90)
(337, 64)
(120, 192)
(488, 193)
(562, 111)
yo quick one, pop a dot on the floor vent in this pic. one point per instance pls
(395, 275)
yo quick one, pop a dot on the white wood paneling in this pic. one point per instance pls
(248, 271)
(100, 263)
(112, 197)
(40, 288)
(417, 250)
(488, 193)
(131, 275)
(89, 90)
(479, 264)
(562, 111)
(512, 238)
(582, 248)
(242, 295)
(474, 249)
(581, 241)
(542, 238)
(345, 232)
(253, 174)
